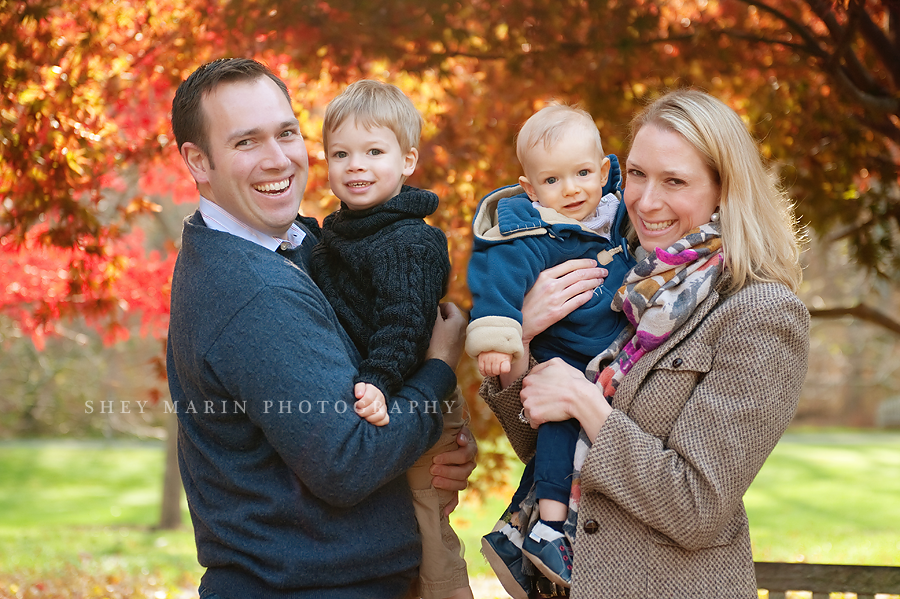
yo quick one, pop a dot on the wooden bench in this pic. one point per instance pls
(822, 579)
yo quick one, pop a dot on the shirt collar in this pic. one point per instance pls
(219, 219)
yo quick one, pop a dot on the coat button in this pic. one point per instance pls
(677, 362)
(591, 527)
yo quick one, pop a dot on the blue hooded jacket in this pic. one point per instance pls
(513, 241)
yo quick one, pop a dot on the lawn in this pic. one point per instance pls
(76, 518)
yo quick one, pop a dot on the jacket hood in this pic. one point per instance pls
(508, 213)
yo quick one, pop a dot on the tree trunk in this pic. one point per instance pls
(170, 515)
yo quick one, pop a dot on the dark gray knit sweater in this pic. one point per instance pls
(384, 270)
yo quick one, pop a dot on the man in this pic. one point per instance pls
(291, 493)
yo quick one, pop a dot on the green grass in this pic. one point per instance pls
(828, 497)
(81, 514)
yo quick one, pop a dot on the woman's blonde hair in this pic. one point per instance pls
(759, 231)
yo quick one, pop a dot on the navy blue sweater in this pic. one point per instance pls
(291, 493)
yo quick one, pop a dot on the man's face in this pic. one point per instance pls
(260, 159)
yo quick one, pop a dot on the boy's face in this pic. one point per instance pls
(257, 165)
(569, 176)
(366, 167)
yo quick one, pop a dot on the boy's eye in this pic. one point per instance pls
(583, 172)
(550, 180)
(340, 154)
(375, 151)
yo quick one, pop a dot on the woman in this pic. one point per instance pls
(686, 413)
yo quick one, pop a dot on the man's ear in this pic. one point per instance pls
(528, 187)
(410, 161)
(196, 161)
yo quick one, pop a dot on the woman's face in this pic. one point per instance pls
(669, 190)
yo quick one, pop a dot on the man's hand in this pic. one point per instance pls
(493, 363)
(451, 469)
(448, 335)
(371, 404)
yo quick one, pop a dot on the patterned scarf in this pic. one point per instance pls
(658, 295)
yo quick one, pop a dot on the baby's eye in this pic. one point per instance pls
(375, 152)
(550, 180)
(340, 154)
(583, 172)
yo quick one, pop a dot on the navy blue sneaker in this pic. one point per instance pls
(506, 560)
(551, 552)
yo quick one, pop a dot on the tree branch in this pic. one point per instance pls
(862, 312)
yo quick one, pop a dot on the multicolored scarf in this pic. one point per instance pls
(657, 296)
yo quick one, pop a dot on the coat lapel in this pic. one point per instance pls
(624, 396)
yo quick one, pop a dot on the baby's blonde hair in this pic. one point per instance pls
(375, 104)
(549, 124)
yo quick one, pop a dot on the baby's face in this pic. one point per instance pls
(567, 177)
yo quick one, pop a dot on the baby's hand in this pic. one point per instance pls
(493, 363)
(371, 404)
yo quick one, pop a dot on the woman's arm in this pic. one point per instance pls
(697, 430)
(556, 293)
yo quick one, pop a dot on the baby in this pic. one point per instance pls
(571, 208)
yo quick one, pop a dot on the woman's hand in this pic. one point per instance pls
(554, 391)
(557, 292)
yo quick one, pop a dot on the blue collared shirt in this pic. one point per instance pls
(219, 219)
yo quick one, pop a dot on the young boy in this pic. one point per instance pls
(384, 270)
(571, 208)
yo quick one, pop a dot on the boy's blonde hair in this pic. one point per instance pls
(375, 104)
(759, 231)
(549, 124)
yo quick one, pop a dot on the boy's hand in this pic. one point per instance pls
(371, 404)
(493, 363)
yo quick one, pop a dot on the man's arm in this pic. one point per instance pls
(285, 356)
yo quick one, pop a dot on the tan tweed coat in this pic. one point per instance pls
(661, 513)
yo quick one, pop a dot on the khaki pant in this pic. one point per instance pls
(443, 568)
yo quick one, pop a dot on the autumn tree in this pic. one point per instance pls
(86, 149)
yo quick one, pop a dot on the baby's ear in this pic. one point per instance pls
(528, 187)
(604, 169)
